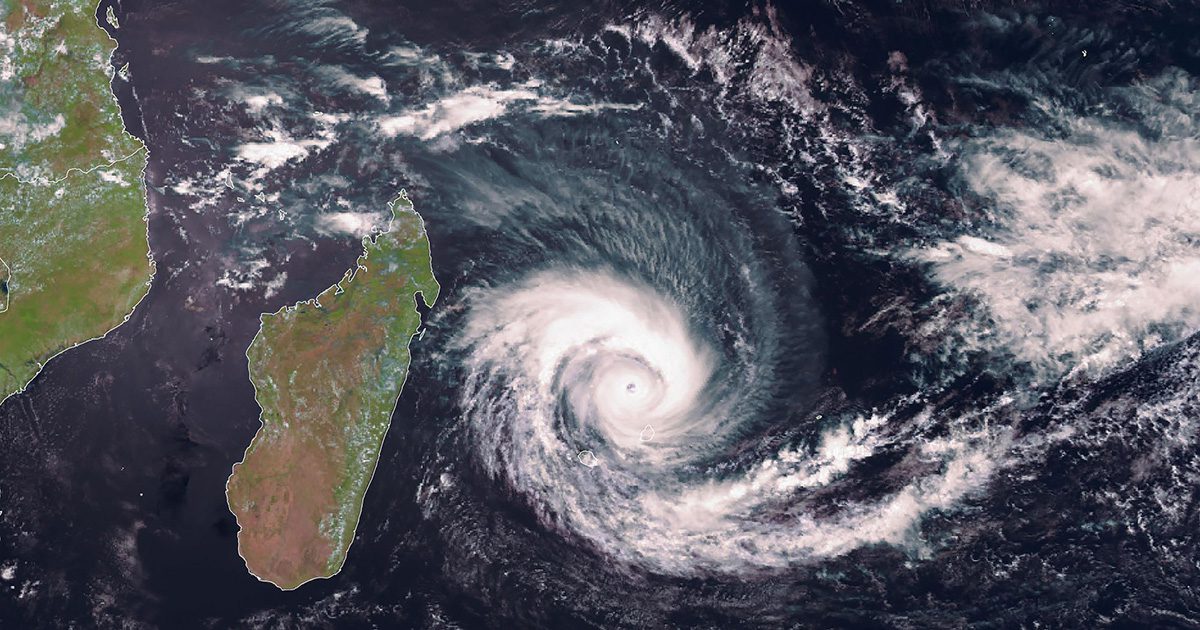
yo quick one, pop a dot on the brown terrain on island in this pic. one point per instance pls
(327, 373)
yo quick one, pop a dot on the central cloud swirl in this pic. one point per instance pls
(623, 424)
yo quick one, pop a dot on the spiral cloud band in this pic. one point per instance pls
(596, 399)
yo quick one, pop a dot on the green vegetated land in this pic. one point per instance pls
(327, 373)
(75, 260)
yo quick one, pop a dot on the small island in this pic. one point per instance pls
(327, 373)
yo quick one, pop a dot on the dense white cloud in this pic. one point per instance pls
(356, 223)
(1094, 258)
(480, 103)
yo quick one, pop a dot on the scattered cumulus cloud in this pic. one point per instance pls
(256, 103)
(1094, 256)
(278, 151)
(480, 103)
(370, 85)
(354, 223)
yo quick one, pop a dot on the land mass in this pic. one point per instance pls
(74, 257)
(327, 373)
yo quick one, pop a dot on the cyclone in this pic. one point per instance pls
(607, 394)
(659, 404)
